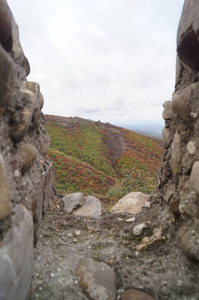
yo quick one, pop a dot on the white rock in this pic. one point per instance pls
(194, 177)
(131, 203)
(69, 235)
(77, 232)
(138, 229)
(191, 148)
(130, 220)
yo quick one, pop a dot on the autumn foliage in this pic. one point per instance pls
(87, 157)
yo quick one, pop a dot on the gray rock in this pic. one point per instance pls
(175, 153)
(27, 153)
(73, 201)
(7, 79)
(97, 280)
(166, 135)
(184, 103)
(91, 208)
(5, 195)
(132, 203)
(194, 177)
(187, 37)
(167, 113)
(18, 130)
(134, 294)
(5, 26)
(189, 241)
(16, 256)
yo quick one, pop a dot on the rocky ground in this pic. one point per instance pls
(160, 270)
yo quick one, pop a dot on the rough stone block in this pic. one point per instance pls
(97, 280)
(73, 201)
(167, 113)
(7, 79)
(91, 208)
(185, 103)
(18, 130)
(16, 256)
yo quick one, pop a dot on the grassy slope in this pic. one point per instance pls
(81, 155)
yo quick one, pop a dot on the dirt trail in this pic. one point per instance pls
(65, 239)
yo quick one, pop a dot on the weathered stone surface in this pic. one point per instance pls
(132, 203)
(17, 49)
(187, 38)
(5, 195)
(7, 79)
(41, 100)
(185, 105)
(97, 280)
(189, 241)
(19, 129)
(27, 153)
(91, 208)
(134, 294)
(194, 178)
(5, 26)
(166, 135)
(45, 144)
(16, 256)
(73, 201)
(175, 153)
(167, 113)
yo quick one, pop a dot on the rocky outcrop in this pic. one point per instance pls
(25, 170)
(178, 178)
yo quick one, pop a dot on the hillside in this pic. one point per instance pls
(101, 159)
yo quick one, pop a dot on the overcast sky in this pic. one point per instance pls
(108, 60)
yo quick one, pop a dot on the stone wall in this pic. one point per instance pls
(178, 184)
(26, 174)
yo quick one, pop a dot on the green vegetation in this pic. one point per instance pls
(85, 160)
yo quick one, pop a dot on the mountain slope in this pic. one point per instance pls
(100, 158)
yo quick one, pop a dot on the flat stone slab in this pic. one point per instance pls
(131, 203)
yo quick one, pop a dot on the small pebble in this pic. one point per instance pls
(69, 235)
(75, 241)
(77, 232)
(130, 219)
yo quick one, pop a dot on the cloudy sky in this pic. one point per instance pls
(108, 60)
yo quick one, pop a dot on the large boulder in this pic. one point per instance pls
(132, 203)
